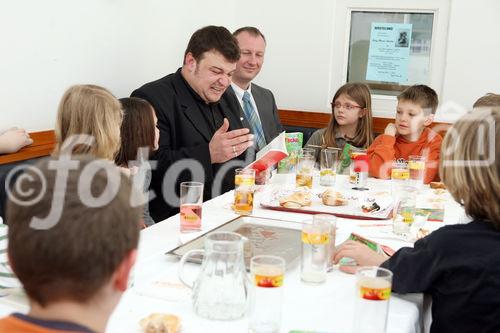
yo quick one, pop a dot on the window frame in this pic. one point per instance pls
(384, 105)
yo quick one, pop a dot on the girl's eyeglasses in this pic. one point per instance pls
(348, 107)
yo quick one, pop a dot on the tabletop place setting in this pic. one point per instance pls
(262, 249)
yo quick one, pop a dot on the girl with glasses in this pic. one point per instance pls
(351, 121)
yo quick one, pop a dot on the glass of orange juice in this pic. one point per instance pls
(244, 187)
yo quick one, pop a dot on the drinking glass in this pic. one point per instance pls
(328, 166)
(373, 290)
(416, 165)
(244, 186)
(267, 274)
(315, 252)
(191, 202)
(400, 174)
(404, 210)
(332, 220)
(305, 168)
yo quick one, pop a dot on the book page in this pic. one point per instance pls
(278, 143)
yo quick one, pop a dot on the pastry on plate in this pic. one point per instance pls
(160, 323)
(296, 200)
(435, 185)
(333, 198)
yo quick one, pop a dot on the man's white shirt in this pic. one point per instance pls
(239, 95)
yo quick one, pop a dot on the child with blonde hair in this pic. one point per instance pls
(83, 109)
(488, 100)
(93, 111)
(458, 265)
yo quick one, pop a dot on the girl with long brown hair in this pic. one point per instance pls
(139, 138)
(351, 120)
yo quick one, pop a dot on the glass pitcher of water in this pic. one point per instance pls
(221, 290)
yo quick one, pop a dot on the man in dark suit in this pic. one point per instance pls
(261, 101)
(198, 130)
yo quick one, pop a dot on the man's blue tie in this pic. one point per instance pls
(254, 121)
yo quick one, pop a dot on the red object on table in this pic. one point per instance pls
(361, 163)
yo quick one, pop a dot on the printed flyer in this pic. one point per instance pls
(389, 52)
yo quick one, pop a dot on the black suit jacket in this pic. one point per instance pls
(266, 106)
(184, 138)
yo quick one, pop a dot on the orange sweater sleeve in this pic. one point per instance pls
(15, 325)
(381, 154)
(432, 164)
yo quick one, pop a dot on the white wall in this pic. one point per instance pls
(49, 45)
(298, 55)
(121, 44)
(473, 55)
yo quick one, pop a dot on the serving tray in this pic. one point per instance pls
(352, 210)
(265, 236)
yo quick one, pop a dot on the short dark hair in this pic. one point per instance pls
(253, 31)
(76, 257)
(213, 38)
(137, 130)
(422, 95)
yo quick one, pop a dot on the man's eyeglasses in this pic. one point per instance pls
(347, 107)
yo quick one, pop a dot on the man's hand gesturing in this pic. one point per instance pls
(227, 145)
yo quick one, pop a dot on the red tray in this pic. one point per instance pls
(343, 215)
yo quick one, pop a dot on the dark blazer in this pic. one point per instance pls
(184, 136)
(266, 106)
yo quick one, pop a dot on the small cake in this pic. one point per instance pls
(160, 323)
(333, 198)
(296, 200)
(436, 185)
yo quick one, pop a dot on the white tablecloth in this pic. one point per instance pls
(325, 308)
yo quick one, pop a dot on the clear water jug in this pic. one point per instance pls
(221, 290)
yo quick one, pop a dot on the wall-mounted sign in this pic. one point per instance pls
(389, 52)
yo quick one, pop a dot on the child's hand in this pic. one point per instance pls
(362, 254)
(390, 130)
(132, 171)
(14, 139)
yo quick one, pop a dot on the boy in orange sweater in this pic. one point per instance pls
(74, 272)
(409, 135)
